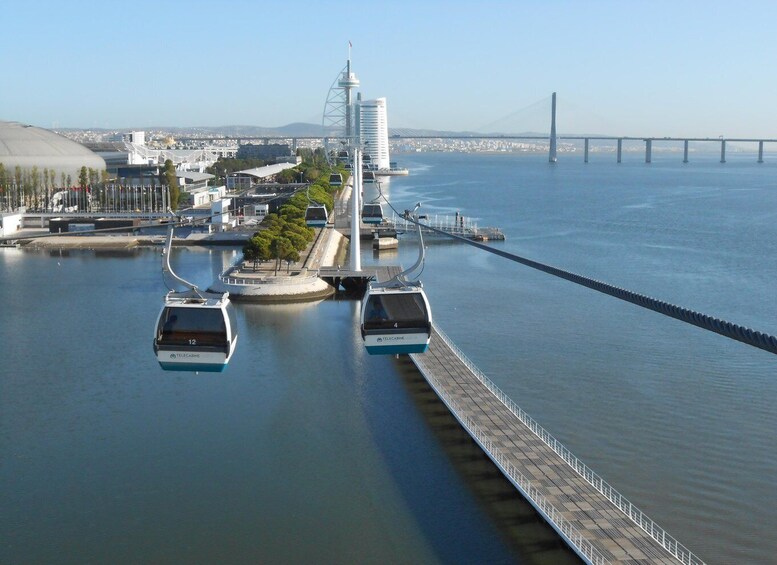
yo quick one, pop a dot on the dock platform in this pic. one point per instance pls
(598, 523)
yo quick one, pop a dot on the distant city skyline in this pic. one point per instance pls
(620, 68)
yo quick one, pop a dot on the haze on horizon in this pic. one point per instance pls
(638, 68)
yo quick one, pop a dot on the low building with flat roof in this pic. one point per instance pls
(246, 179)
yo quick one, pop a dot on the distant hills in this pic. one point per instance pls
(297, 129)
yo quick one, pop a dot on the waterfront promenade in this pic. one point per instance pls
(298, 281)
(293, 282)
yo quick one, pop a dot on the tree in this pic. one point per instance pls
(291, 256)
(17, 177)
(27, 187)
(35, 182)
(4, 185)
(280, 248)
(83, 181)
(46, 186)
(168, 179)
(258, 248)
(288, 176)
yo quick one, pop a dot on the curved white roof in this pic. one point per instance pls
(29, 146)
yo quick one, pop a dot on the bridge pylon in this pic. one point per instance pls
(552, 158)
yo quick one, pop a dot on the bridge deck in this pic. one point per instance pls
(593, 525)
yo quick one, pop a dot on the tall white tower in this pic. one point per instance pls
(374, 131)
(338, 108)
(348, 82)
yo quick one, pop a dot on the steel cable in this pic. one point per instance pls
(727, 329)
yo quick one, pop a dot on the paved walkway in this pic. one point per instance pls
(589, 521)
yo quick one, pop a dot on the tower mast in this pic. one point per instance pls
(348, 82)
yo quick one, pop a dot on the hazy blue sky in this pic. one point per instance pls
(703, 68)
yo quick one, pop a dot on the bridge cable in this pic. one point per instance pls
(727, 329)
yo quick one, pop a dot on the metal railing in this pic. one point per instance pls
(635, 514)
(581, 545)
(268, 279)
(458, 225)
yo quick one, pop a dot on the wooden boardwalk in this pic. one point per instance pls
(594, 519)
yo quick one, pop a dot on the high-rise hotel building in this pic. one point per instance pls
(374, 131)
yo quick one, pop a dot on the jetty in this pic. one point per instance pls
(453, 224)
(596, 521)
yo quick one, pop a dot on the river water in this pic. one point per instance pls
(308, 450)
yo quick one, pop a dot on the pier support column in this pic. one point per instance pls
(685, 151)
(585, 151)
(552, 154)
(760, 151)
(648, 150)
(723, 151)
(356, 188)
(620, 149)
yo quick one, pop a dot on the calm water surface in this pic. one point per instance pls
(681, 421)
(306, 449)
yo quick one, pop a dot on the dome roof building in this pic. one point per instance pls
(29, 146)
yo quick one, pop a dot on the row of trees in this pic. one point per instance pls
(34, 188)
(283, 238)
(284, 235)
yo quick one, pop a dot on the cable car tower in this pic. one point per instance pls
(338, 109)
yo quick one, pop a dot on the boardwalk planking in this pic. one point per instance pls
(613, 536)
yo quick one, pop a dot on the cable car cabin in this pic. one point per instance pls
(372, 214)
(316, 216)
(396, 320)
(335, 179)
(194, 333)
(368, 177)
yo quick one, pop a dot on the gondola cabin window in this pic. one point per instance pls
(192, 326)
(395, 311)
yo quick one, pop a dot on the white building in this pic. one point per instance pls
(244, 179)
(219, 209)
(139, 153)
(10, 223)
(205, 195)
(373, 128)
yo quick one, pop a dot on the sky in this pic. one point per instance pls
(633, 68)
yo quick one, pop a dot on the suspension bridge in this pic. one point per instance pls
(497, 131)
